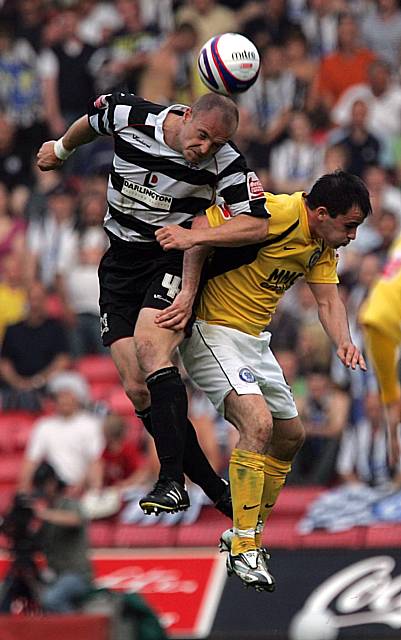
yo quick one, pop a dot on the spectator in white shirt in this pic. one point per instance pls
(70, 439)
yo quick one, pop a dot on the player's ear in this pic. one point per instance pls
(321, 213)
(187, 114)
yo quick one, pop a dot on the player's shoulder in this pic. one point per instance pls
(129, 100)
(229, 153)
(285, 209)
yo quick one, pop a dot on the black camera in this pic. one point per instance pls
(17, 526)
(20, 587)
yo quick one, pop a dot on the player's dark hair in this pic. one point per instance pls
(338, 192)
(226, 105)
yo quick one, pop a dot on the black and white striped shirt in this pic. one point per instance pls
(151, 185)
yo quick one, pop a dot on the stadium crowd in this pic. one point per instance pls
(328, 97)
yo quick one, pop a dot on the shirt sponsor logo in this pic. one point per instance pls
(246, 375)
(146, 195)
(255, 189)
(280, 280)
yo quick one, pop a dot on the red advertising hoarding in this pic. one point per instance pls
(183, 587)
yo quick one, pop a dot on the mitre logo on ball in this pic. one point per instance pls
(228, 64)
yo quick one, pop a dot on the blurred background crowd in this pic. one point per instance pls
(328, 96)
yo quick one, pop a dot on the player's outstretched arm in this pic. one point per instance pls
(333, 316)
(241, 230)
(176, 316)
(53, 153)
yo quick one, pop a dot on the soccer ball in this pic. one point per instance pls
(228, 64)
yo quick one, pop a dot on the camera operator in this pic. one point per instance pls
(63, 541)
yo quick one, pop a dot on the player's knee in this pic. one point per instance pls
(151, 358)
(286, 445)
(256, 436)
(138, 393)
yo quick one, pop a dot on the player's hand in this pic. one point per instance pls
(47, 159)
(176, 316)
(175, 237)
(351, 356)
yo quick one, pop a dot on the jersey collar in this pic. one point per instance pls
(159, 134)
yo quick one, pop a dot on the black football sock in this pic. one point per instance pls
(196, 465)
(169, 408)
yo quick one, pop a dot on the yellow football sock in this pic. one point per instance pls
(246, 479)
(275, 471)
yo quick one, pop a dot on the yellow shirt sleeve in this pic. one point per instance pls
(325, 269)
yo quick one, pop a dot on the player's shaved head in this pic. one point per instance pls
(227, 106)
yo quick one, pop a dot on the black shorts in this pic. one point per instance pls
(132, 276)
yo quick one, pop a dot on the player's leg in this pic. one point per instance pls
(136, 282)
(287, 439)
(287, 436)
(214, 358)
(196, 465)
(169, 405)
(251, 416)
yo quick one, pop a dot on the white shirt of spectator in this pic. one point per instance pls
(68, 444)
(384, 116)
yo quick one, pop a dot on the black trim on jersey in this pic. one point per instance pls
(143, 228)
(157, 164)
(110, 116)
(101, 125)
(228, 258)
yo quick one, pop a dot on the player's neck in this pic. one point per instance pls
(171, 131)
(311, 222)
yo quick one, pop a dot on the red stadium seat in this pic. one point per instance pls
(281, 534)
(384, 535)
(353, 538)
(295, 500)
(119, 403)
(101, 534)
(131, 535)
(200, 534)
(96, 368)
(15, 427)
(101, 391)
(10, 467)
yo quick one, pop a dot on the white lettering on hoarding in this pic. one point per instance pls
(363, 593)
(136, 579)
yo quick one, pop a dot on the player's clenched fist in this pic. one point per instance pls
(47, 159)
(175, 237)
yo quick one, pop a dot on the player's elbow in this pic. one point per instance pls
(258, 230)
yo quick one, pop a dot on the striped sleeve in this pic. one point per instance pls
(112, 112)
(239, 186)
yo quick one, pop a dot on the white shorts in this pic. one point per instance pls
(219, 359)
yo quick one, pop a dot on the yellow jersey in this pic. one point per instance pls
(245, 284)
(382, 309)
